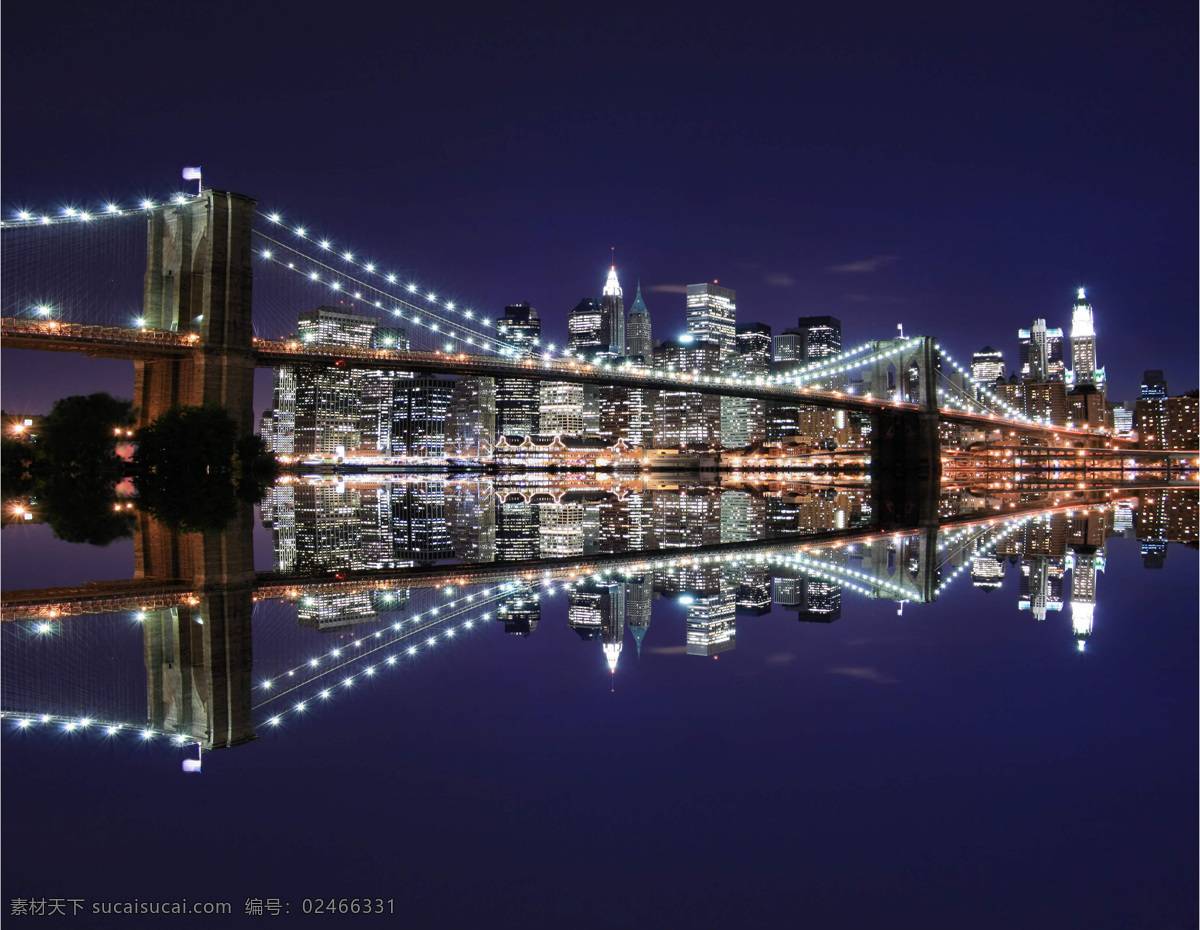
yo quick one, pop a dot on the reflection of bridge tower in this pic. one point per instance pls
(910, 562)
(906, 463)
(198, 660)
(199, 280)
(198, 656)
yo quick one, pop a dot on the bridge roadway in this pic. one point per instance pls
(149, 344)
(137, 595)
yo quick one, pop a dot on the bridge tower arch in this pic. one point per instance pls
(199, 279)
(906, 460)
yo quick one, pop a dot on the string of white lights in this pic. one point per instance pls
(334, 278)
(344, 657)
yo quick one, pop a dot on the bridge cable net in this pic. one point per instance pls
(87, 268)
(307, 271)
(74, 676)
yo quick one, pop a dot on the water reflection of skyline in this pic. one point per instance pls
(196, 678)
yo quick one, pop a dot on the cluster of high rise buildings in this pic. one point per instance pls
(399, 414)
(1043, 387)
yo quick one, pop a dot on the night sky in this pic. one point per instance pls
(957, 169)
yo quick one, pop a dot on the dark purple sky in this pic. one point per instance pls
(976, 165)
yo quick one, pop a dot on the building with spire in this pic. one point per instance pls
(1085, 373)
(638, 340)
(612, 314)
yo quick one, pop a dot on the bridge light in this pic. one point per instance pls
(300, 231)
(140, 322)
(412, 288)
(370, 268)
(348, 256)
(266, 253)
(22, 215)
(324, 243)
(336, 285)
(314, 277)
(391, 279)
(45, 220)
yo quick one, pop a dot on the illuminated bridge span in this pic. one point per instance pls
(195, 339)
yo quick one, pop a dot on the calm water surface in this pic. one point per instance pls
(744, 736)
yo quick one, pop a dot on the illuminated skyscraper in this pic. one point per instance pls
(822, 337)
(1041, 353)
(987, 365)
(712, 316)
(518, 400)
(612, 317)
(1084, 370)
(584, 326)
(638, 340)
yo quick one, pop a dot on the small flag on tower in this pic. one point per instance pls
(191, 174)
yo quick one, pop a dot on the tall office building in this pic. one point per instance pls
(419, 410)
(612, 317)
(518, 400)
(585, 329)
(1150, 416)
(712, 316)
(1085, 372)
(1041, 353)
(754, 347)
(471, 417)
(638, 338)
(822, 337)
(520, 329)
(560, 409)
(987, 365)
(788, 346)
(683, 418)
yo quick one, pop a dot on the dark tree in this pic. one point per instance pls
(184, 468)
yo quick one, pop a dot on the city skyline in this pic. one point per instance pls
(962, 189)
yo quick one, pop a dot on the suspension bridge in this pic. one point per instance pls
(196, 334)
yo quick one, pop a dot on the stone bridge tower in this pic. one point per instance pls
(199, 280)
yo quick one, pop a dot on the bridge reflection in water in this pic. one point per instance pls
(389, 570)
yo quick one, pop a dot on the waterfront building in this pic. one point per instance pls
(419, 410)
(471, 418)
(683, 418)
(560, 409)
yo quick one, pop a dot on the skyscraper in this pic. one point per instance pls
(584, 326)
(712, 316)
(987, 365)
(520, 328)
(1041, 353)
(1084, 370)
(638, 340)
(822, 337)
(685, 418)
(612, 317)
(518, 400)
(754, 348)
